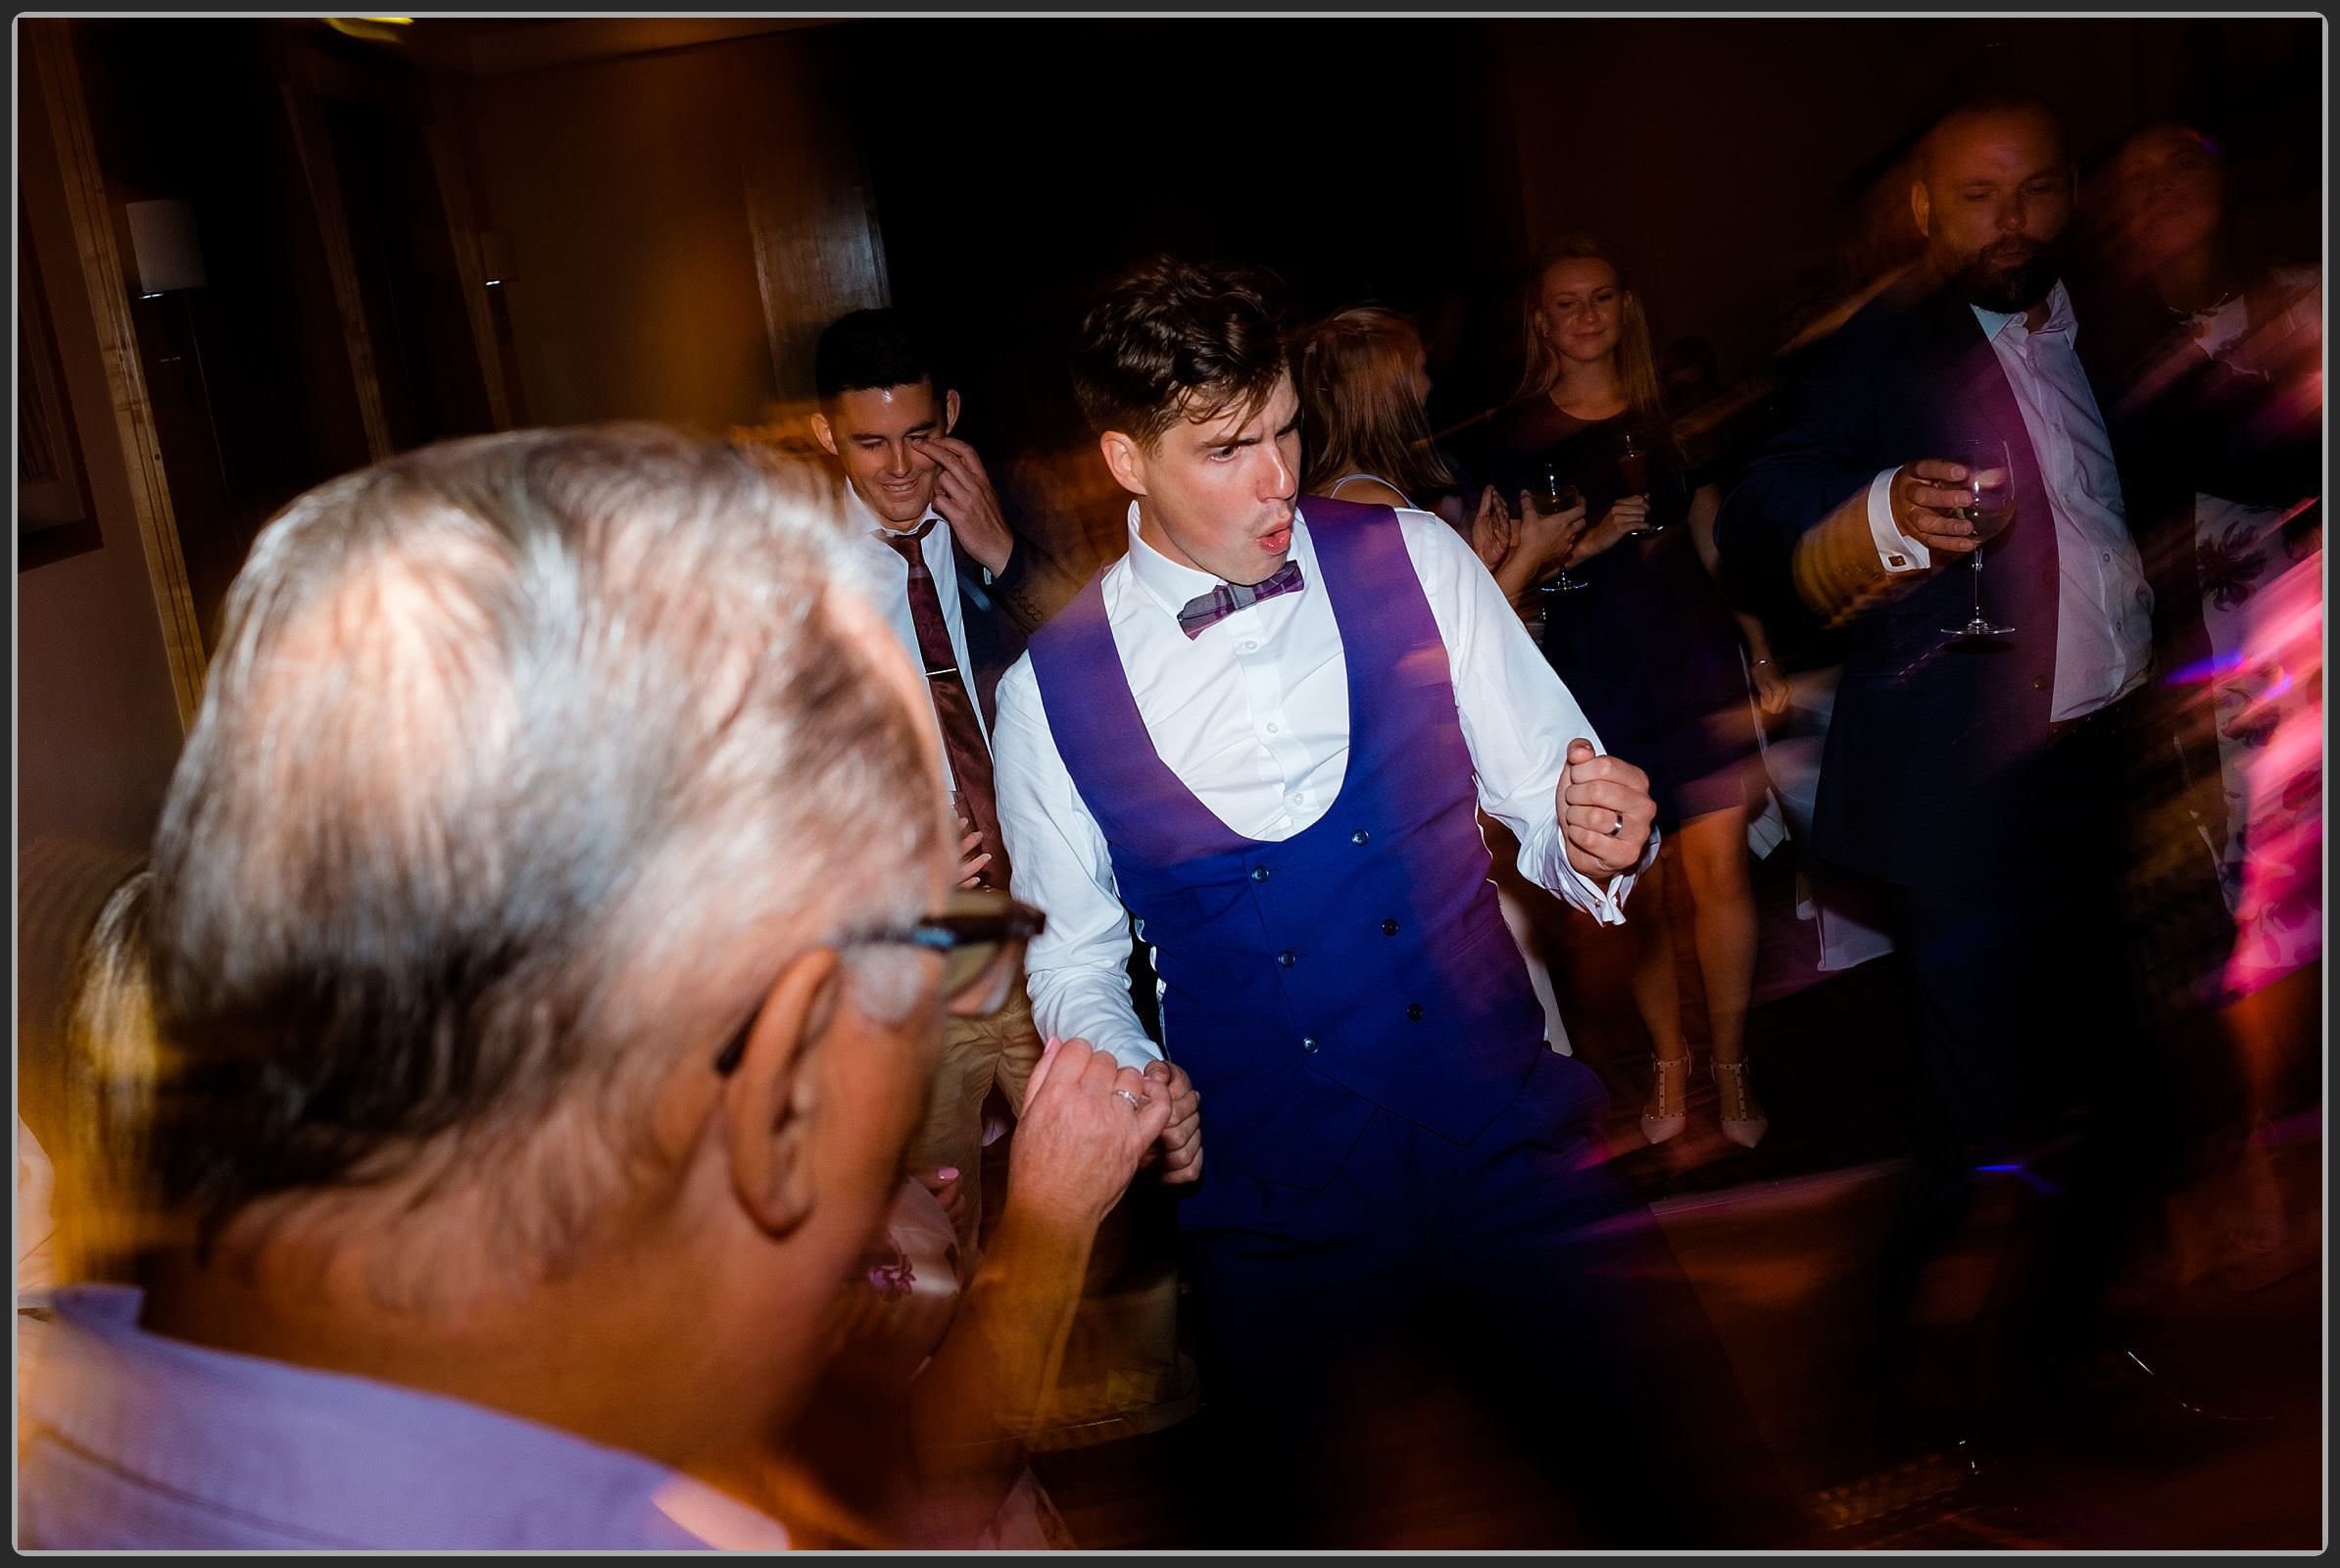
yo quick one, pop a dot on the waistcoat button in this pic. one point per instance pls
(1310, 1044)
(1388, 928)
(1259, 873)
(2040, 683)
(1413, 1012)
(1287, 960)
(1359, 836)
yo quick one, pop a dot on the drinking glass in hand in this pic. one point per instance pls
(1983, 502)
(1632, 466)
(1558, 496)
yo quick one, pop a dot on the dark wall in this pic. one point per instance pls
(1747, 167)
(250, 383)
(97, 721)
(1742, 167)
(1017, 164)
(672, 227)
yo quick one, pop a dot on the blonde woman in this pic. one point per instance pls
(1647, 644)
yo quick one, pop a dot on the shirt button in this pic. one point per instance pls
(1413, 1012)
(1277, 729)
(2108, 557)
(1300, 799)
(1310, 1044)
(1287, 959)
(1388, 928)
(1360, 836)
(1252, 648)
(1259, 873)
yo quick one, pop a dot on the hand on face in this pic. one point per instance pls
(1086, 1123)
(881, 436)
(963, 495)
(1605, 811)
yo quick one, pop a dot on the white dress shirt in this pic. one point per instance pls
(2104, 617)
(1252, 716)
(889, 582)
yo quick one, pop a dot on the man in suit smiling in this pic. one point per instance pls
(959, 589)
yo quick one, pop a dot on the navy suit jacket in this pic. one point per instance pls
(1936, 752)
(994, 634)
(998, 616)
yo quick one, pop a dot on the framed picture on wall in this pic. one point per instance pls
(54, 515)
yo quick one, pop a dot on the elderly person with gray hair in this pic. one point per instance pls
(540, 1005)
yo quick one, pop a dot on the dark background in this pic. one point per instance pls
(1363, 160)
(552, 222)
(1742, 168)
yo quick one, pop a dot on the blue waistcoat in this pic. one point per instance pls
(1362, 962)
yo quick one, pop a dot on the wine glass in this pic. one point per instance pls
(1979, 458)
(1558, 496)
(1632, 466)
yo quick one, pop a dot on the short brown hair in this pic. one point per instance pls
(1172, 340)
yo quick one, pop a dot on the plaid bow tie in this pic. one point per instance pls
(1208, 610)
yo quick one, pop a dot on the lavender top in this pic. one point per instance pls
(131, 1440)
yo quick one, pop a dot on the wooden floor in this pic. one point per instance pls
(1778, 1242)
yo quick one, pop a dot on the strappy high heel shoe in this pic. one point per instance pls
(1743, 1120)
(1667, 1110)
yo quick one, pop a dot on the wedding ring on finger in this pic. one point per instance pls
(1617, 828)
(1134, 1102)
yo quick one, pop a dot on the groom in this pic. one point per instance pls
(1265, 733)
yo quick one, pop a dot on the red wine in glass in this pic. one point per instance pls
(1632, 466)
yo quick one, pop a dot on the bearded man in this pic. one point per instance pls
(1979, 762)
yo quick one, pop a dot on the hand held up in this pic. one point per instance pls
(1605, 811)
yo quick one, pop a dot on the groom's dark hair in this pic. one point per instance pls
(866, 349)
(1174, 341)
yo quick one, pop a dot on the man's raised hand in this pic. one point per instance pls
(963, 495)
(1605, 811)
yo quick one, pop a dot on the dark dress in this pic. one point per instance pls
(1649, 646)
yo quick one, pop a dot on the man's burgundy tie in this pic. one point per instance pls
(954, 704)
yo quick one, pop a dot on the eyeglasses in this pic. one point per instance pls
(980, 936)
